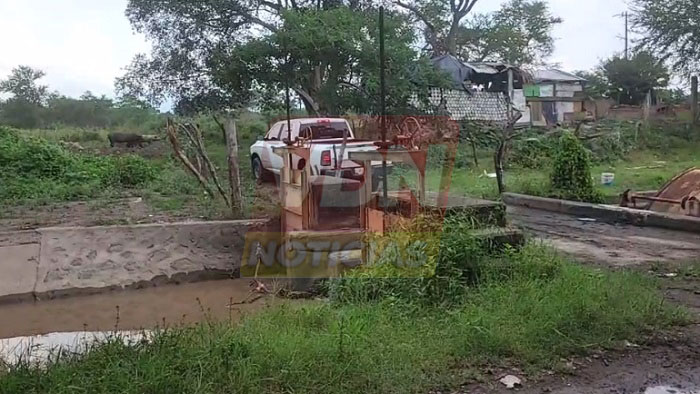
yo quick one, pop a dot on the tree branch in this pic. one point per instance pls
(308, 100)
(275, 6)
(418, 13)
(469, 6)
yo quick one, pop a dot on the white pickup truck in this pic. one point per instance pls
(324, 136)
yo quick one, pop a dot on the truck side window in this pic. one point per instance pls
(283, 132)
(274, 134)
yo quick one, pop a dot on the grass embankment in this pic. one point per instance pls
(527, 308)
(641, 170)
(640, 159)
(36, 170)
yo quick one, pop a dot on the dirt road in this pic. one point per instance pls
(596, 242)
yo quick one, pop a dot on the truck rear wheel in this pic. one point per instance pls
(258, 170)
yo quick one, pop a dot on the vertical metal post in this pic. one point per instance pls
(511, 82)
(382, 104)
(694, 99)
(289, 112)
(627, 35)
(511, 94)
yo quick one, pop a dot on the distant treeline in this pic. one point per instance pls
(87, 111)
(31, 105)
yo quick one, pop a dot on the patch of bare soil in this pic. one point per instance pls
(669, 363)
(81, 213)
(596, 242)
(126, 211)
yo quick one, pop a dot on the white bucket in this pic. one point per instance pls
(607, 178)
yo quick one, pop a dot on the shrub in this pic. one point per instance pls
(425, 260)
(571, 175)
(32, 157)
(33, 168)
(132, 170)
(532, 152)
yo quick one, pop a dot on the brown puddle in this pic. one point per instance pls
(137, 309)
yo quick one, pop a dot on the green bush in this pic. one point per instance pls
(426, 261)
(33, 168)
(532, 152)
(132, 170)
(250, 130)
(32, 157)
(571, 173)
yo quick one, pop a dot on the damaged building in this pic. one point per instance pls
(479, 92)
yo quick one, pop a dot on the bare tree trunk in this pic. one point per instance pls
(694, 99)
(311, 105)
(195, 136)
(177, 148)
(446, 178)
(476, 158)
(233, 169)
(498, 165)
(221, 127)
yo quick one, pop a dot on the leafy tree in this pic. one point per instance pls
(627, 81)
(672, 96)
(22, 85)
(20, 114)
(214, 54)
(596, 83)
(441, 21)
(31, 106)
(518, 33)
(24, 108)
(670, 28)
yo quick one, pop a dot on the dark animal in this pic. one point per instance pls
(129, 139)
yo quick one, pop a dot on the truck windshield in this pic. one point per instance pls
(324, 131)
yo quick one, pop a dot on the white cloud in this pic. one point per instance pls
(85, 44)
(80, 44)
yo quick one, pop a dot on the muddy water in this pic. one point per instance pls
(168, 305)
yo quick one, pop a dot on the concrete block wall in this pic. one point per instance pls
(57, 261)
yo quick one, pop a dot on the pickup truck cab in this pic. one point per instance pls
(325, 138)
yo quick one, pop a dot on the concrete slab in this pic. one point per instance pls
(93, 259)
(607, 213)
(18, 267)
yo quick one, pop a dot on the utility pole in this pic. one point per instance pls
(694, 99)
(627, 30)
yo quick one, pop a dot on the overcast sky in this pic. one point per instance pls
(84, 44)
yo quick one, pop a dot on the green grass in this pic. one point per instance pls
(388, 346)
(174, 190)
(657, 168)
(38, 171)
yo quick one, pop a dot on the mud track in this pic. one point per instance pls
(593, 241)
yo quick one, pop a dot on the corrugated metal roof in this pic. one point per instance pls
(555, 75)
(457, 71)
(482, 68)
